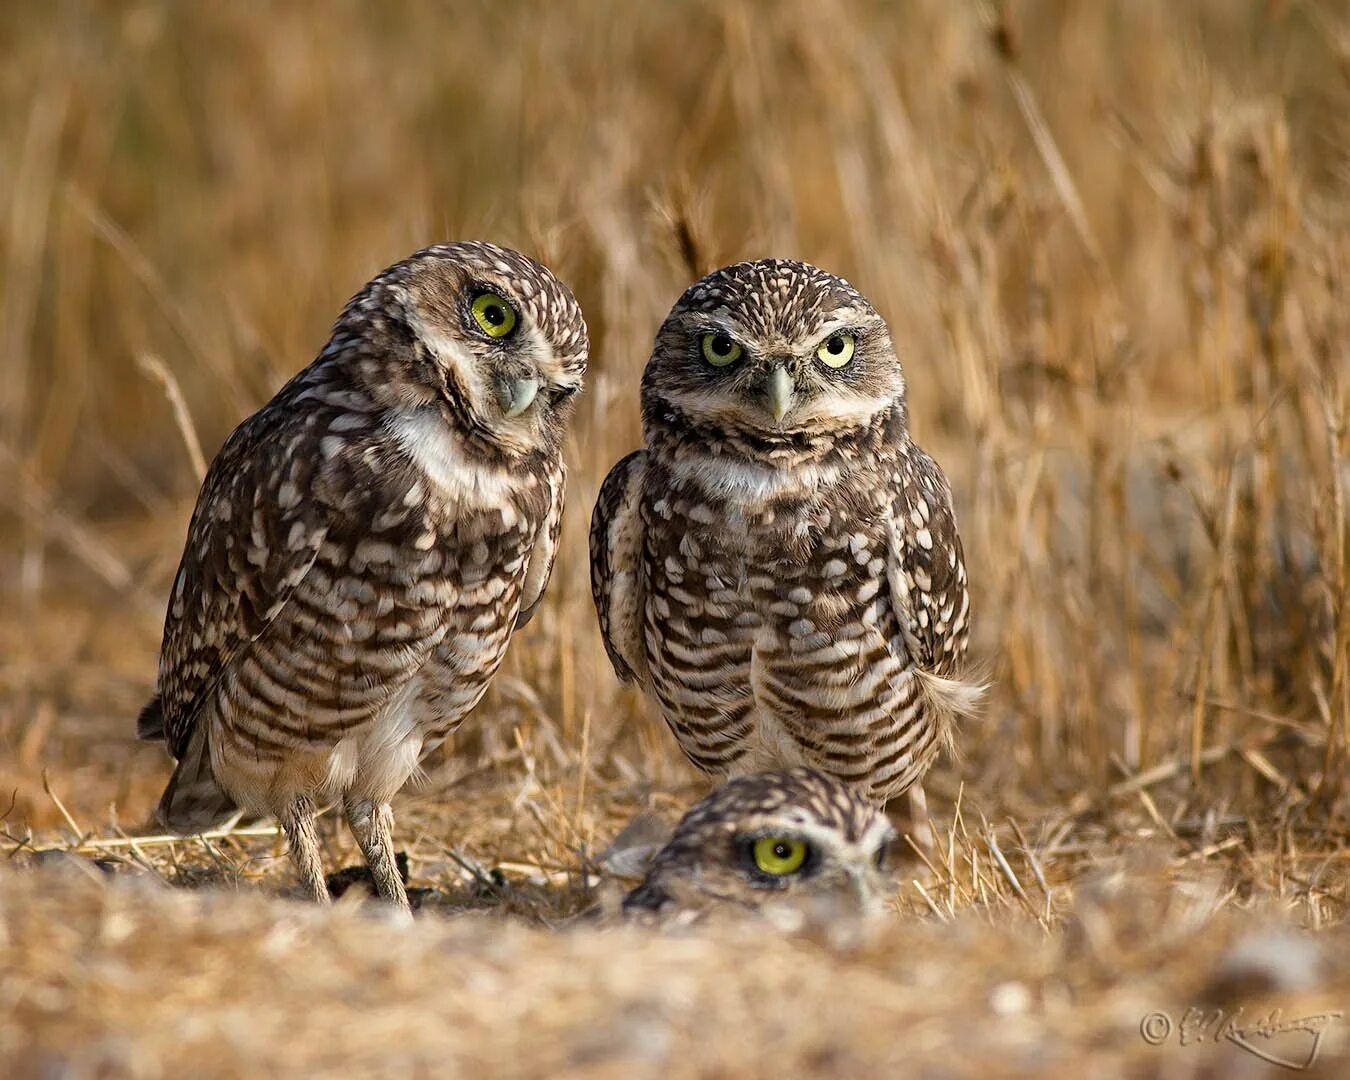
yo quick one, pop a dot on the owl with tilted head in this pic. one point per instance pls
(363, 549)
(779, 568)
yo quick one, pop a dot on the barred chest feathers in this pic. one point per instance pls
(769, 630)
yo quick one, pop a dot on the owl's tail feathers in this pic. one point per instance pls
(193, 802)
(150, 724)
(950, 702)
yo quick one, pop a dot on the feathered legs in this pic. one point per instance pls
(921, 827)
(372, 824)
(298, 824)
(914, 819)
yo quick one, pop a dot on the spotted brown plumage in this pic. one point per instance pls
(711, 860)
(779, 568)
(365, 545)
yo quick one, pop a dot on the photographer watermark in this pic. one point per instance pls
(1292, 1043)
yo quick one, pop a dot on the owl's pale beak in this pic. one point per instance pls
(859, 889)
(516, 395)
(780, 393)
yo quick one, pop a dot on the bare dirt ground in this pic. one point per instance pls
(1111, 241)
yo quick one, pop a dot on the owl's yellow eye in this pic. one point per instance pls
(494, 316)
(779, 855)
(836, 350)
(719, 350)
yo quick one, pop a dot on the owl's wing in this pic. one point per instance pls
(616, 566)
(926, 567)
(254, 535)
(545, 549)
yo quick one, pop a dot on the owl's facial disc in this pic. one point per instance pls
(478, 338)
(841, 370)
(494, 320)
(774, 350)
(787, 852)
(511, 356)
(492, 359)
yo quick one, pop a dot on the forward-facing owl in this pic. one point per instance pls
(363, 548)
(779, 569)
(793, 836)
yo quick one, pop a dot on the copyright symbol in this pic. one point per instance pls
(1155, 1027)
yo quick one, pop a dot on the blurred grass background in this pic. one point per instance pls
(1110, 239)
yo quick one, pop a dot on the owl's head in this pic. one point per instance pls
(483, 333)
(795, 837)
(773, 350)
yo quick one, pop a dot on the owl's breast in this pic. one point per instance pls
(799, 567)
(736, 601)
(485, 570)
(770, 636)
(418, 582)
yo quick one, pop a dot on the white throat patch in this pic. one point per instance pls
(436, 451)
(750, 481)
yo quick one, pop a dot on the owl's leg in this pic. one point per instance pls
(298, 823)
(372, 824)
(921, 826)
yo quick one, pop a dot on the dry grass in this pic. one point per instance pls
(262, 988)
(1112, 243)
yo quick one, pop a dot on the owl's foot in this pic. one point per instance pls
(372, 824)
(298, 823)
(920, 826)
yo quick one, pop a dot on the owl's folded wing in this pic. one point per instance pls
(254, 535)
(616, 566)
(545, 548)
(926, 567)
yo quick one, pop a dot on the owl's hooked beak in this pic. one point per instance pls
(859, 889)
(855, 892)
(516, 395)
(780, 392)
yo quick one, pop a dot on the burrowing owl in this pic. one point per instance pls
(363, 548)
(767, 837)
(780, 568)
